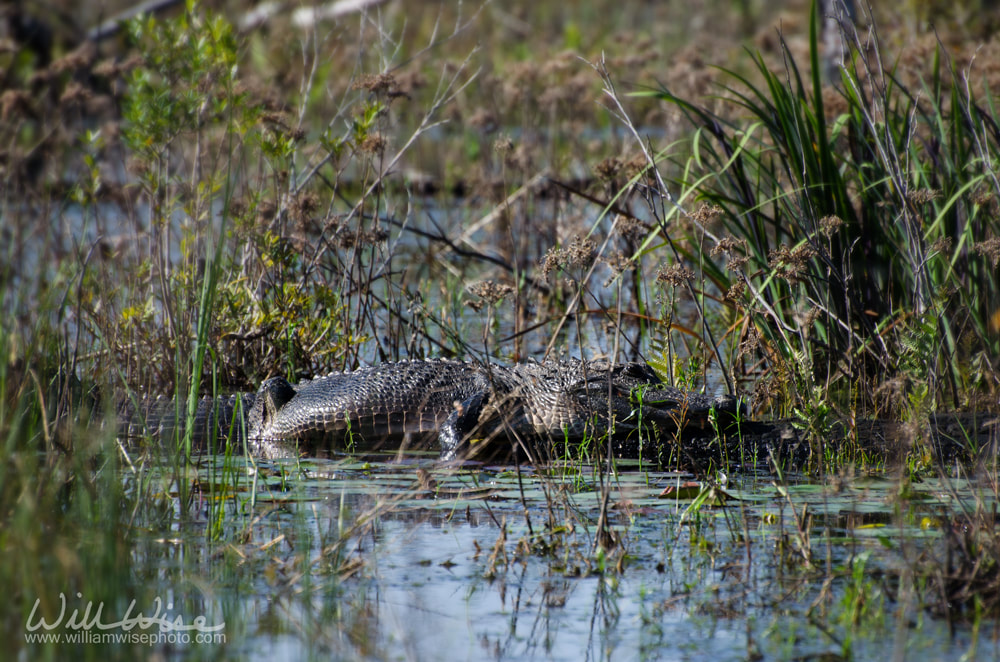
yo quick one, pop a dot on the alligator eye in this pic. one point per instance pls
(634, 370)
(641, 372)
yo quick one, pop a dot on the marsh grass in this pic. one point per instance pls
(854, 219)
(266, 237)
(845, 228)
(210, 293)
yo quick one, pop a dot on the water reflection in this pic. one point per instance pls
(373, 560)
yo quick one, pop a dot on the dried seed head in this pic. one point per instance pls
(790, 263)
(734, 294)
(579, 254)
(829, 225)
(728, 246)
(750, 342)
(923, 196)
(674, 275)
(107, 68)
(942, 245)
(706, 214)
(384, 83)
(374, 143)
(303, 206)
(77, 60)
(631, 228)
(989, 249)
(983, 197)
(75, 94)
(276, 121)
(808, 318)
(737, 263)
(635, 165)
(15, 103)
(608, 169)
(489, 292)
(503, 144)
(349, 238)
(408, 81)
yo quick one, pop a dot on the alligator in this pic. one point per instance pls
(467, 409)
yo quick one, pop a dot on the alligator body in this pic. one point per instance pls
(471, 410)
(216, 419)
(465, 408)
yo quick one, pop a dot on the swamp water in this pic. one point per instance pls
(403, 558)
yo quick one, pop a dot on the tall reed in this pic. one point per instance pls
(859, 225)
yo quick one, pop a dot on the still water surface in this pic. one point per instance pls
(405, 559)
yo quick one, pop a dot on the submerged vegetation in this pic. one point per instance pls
(209, 201)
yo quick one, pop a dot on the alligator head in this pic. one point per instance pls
(273, 394)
